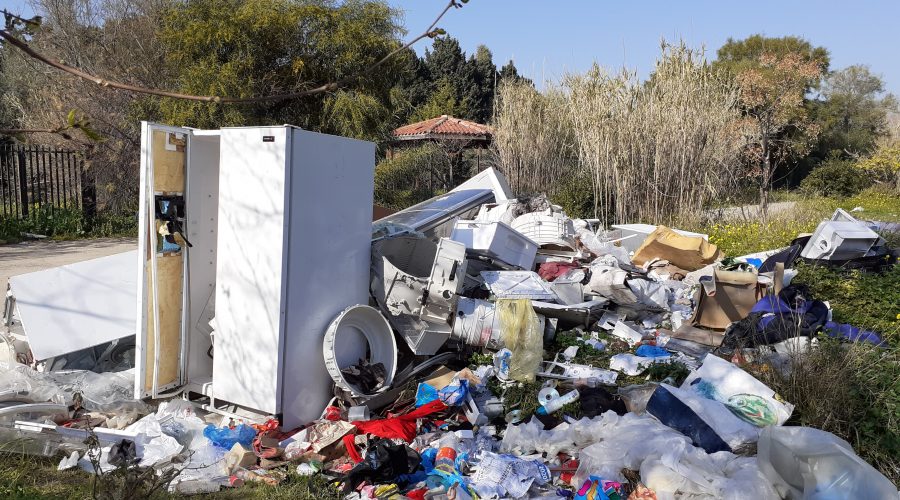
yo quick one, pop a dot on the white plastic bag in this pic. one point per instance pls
(745, 396)
(812, 464)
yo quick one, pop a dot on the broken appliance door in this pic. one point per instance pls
(435, 217)
(176, 258)
(416, 282)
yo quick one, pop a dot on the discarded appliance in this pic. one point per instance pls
(75, 307)
(360, 333)
(434, 217)
(841, 238)
(498, 240)
(416, 283)
(518, 285)
(237, 214)
(477, 323)
(550, 229)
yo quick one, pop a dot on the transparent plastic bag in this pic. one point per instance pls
(812, 464)
(523, 336)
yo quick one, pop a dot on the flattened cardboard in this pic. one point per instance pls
(687, 252)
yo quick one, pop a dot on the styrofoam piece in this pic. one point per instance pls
(69, 308)
(627, 333)
(496, 212)
(518, 285)
(637, 233)
(546, 229)
(498, 239)
(839, 240)
(358, 330)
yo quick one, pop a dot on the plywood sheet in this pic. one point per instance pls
(168, 290)
(68, 308)
(168, 161)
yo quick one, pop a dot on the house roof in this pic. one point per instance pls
(443, 127)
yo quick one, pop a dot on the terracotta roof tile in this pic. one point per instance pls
(443, 125)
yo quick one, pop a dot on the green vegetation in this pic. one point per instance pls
(866, 300)
(835, 178)
(29, 477)
(67, 224)
(851, 390)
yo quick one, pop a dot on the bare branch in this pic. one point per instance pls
(431, 32)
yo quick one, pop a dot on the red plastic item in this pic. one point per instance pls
(402, 426)
(333, 413)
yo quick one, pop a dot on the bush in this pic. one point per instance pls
(835, 178)
(411, 176)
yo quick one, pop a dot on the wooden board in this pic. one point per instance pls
(169, 271)
(168, 165)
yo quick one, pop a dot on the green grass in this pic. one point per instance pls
(67, 224)
(30, 477)
(741, 237)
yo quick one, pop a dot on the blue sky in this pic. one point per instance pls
(549, 38)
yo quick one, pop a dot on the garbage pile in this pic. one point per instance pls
(515, 352)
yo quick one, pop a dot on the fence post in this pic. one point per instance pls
(88, 195)
(23, 181)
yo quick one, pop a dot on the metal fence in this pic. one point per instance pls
(35, 178)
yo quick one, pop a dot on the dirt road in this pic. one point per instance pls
(36, 255)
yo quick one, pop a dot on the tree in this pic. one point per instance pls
(852, 113)
(509, 73)
(480, 90)
(113, 38)
(736, 56)
(774, 76)
(245, 48)
(443, 101)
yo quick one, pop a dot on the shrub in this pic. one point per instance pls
(835, 178)
(410, 176)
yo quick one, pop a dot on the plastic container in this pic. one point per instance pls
(497, 239)
(556, 403)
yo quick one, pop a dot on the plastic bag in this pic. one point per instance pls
(668, 463)
(226, 437)
(710, 424)
(746, 397)
(523, 336)
(636, 396)
(807, 463)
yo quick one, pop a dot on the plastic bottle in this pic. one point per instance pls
(557, 403)
(445, 460)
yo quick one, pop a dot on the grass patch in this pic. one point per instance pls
(67, 224)
(866, 300)
(850, 390)
(30, 477)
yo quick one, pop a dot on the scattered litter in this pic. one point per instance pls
(513, 319)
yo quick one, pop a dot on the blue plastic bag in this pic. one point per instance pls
(652, 351)
(225, 437)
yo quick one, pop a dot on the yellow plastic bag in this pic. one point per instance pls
(520, 328)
